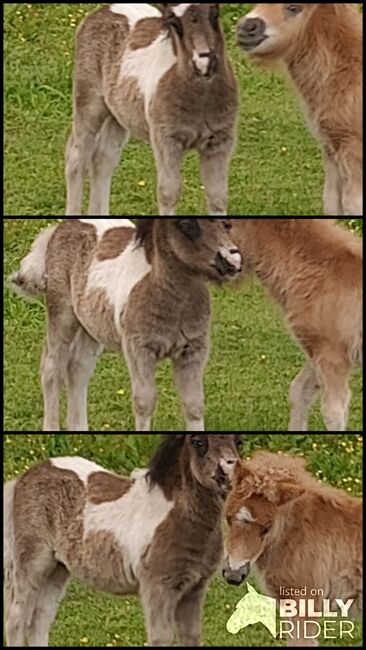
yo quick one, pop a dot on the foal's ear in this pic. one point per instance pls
(166, 8)
(288, 492)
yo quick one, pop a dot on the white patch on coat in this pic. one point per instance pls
(80, 466)
(133, 520)
(138, 473)
(245, 515)
(118, 276)
(235, 259)
(31, 279)
(102, 225)
(202, 63)
(181, 9)
(148, 66)
(135, 12)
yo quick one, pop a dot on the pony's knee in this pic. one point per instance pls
(144, 402)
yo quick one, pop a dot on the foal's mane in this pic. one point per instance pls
(144, 230)
(265, 472)
(165, 459)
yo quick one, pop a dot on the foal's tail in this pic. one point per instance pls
(8, 527)
(31, 279)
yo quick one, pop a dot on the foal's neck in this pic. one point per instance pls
(268, 244)
(331, 41)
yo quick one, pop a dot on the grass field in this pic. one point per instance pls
(88, 618)
(252, 364)
(277, 168)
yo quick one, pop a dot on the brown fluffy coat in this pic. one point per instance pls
(313, 268)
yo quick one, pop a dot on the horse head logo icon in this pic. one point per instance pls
(254, 608)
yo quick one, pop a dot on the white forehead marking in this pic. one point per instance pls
(102, 225)
(135, 12)
(82, 467)
(148, 66)
(181, 9)
(245, 515)
(118, 276)
(132, 519)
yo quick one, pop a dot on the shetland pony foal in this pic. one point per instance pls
(313, 269)
(321, 47)
(294, 533)
(143, 291)
(157, 535)
(161, 76)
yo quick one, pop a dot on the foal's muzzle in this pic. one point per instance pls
(206, 64)
(229, 264)
(251, 33)
(238, 576)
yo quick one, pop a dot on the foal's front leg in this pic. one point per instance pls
(188, 617)
(215, 178)
(159, 604)
(189, 369)
(142, 366)
(168, 157)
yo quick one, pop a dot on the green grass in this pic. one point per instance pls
(90, 618)
(253, 361)
(277, 168)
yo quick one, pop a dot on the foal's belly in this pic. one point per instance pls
(126, 103)
(102, 564)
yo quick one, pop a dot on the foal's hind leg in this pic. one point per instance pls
(336, 395)
(32, 564)
(303, 393)
(49, 598)
(83, 356)
(109, 144)
(90, 112)
(62, 326)
(79, 153)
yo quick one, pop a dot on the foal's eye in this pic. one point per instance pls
(190, 228)
(265, 529)
(238, 442)
(228, 225)
(201, 445)
(294, 9)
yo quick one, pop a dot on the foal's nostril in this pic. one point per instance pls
(253, 27)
